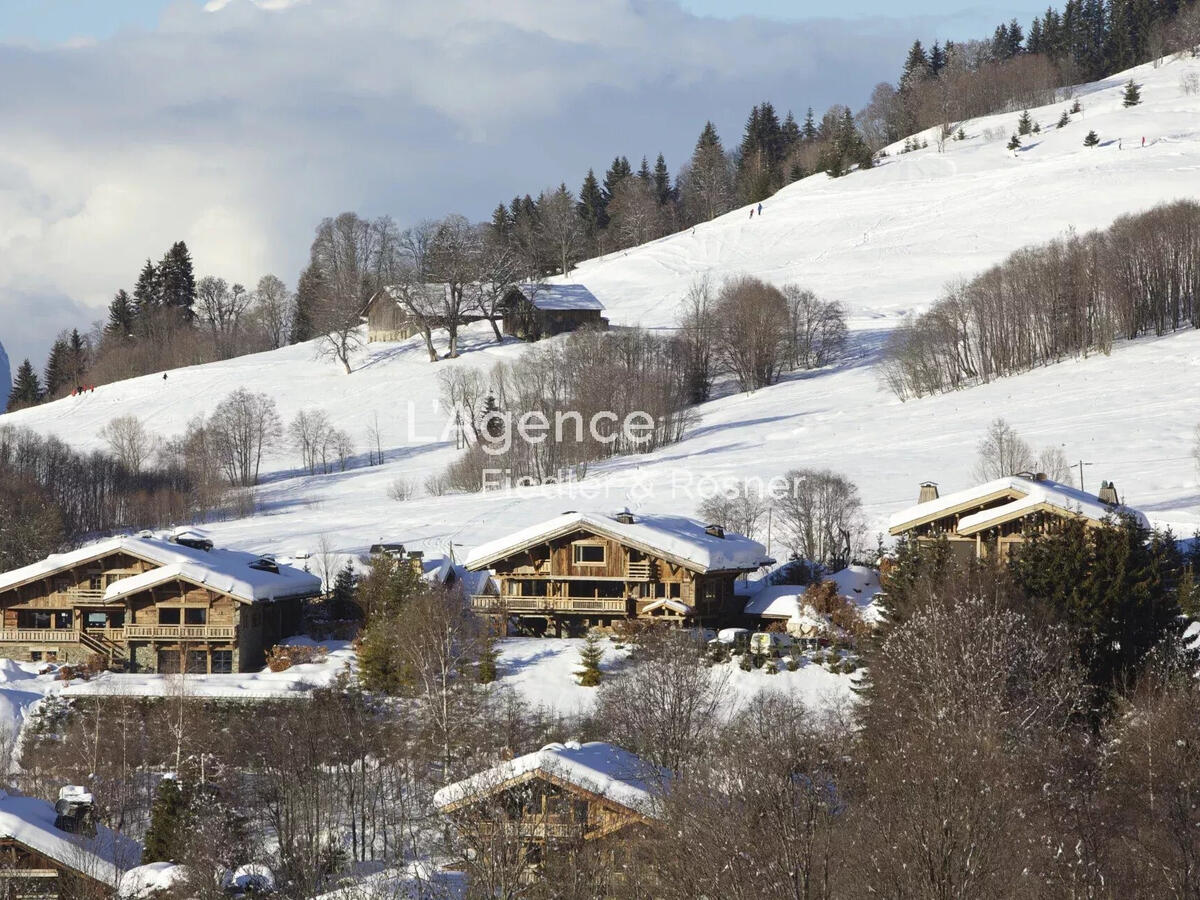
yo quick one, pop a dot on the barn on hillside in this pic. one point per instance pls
(535, 311)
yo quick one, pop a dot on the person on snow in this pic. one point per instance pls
(752, 212)
(1143, 142)
(760, 210)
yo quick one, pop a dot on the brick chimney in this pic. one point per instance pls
(73, 811)
(929, 492)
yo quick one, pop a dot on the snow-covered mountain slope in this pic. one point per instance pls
(883, 241)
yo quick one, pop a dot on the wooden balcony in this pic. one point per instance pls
(532, 830)
(637, 571)
(494, 604)
(78, 595)
(180, 632)
(39, 635)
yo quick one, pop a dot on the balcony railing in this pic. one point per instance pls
(78, 595)
(179, 632)
(532, 830)
(494, 603)
(637, 571)
(38, 635)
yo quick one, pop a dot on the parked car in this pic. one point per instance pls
(769, 643)
(733, 638)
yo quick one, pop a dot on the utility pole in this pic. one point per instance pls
(1081, 464)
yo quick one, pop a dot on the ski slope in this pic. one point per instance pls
(883, 241)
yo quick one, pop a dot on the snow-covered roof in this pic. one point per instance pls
(148, 881)
(559, 296)
(676, 606)
(676, 538)
(858, 584)
(228, 571)
(1023, 494)
(776, 601)
(30, 821)
(596, 767)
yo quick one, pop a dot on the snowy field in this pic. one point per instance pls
(883, 241)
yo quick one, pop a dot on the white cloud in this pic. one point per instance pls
(236, 127)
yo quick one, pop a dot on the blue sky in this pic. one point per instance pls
(237, 125)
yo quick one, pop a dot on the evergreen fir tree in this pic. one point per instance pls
(589, 656)
(26, 389)
(789, 134)
(486, 672)
(619, 169)
(1025, 123)
(808, 131)
(502, 224)
(593, 208)
(147, 297)
(1091, 140)
(1132, 95)
(1064, 120)
(56, 374)
(170, 823)
(309, 289)
(937, 59)
(177, 280)
(120, 316)
(341, 598)
(1076, 108)
(644, 171)
(78, 356)
(916, 66)
(1014, 143)
(662, 181)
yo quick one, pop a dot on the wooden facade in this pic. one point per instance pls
(584, 577)
(532, 313)
(991, 521)
(170, 626)
(26, 874)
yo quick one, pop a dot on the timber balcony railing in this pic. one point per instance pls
(180, 632)
(78, 595)
(532, 830)
(494, 603)
(637, 571)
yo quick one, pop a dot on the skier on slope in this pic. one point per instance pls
(760, 210)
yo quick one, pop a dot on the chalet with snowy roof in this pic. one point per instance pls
(57, 851)
(583, 569)
(556, 799)
(986, 521)
(535, 311)
(152, 603)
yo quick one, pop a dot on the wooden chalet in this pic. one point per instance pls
(559, 799)
(535, 311)
(48, 852)
(580, 570)
(152, 604)
(988, 520)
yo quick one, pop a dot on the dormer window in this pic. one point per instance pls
(588, 554)
(715, 531)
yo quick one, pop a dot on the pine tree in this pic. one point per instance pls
(808, 131)
(502, 223)
(593, 208)
(1014, 143)
(1133, 94)
(1091, 140)
(644, 171)
(170, 823)
(56, 373)
(147, 296)
(486, 671)
(120, 316)
(26, 389)
(916, 66)
(309, 289)
(1064, 120)
(589, 656)
(78, 356)
(177, 280)
(662, 182)
(619, 170)
(341, 598)
(1025, 123)
(937, 59)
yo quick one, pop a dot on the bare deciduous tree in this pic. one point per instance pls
(818, 328)
(129, 441)
(242, 427)
(821, 513)
(1003, 452)
(274, 307)
(751, 340)
(560, 226)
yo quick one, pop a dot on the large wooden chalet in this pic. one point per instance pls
(57, 853)
(588, 569)
(559, 799)
(988, 520)
(536, 311)
(152, 604)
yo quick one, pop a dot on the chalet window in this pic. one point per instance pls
(168, 615)
(35, 655)
(168, 662)
(673, 589)
(197, 662)
(195, 615)
(588, 554)
(95, 620)
(222, 662)
(62, 619)
(96, 583)
(33, 618)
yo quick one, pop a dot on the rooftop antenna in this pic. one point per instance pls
(1080, 466)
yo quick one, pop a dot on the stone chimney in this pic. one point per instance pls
(73, 811)
(715, 531)
(1108, 494)
(625, 517)
(929, 492)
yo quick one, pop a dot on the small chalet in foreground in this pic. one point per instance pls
(587, 569)
(535, 311)
(152, 604)
(561, 797)
(986, 521)
(40, 857)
